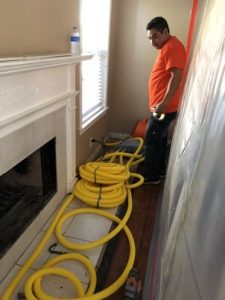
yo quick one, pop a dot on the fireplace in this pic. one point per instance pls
(37, 147)
(24, 190)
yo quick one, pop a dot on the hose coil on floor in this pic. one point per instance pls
(104, 184)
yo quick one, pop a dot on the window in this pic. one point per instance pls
(95, 28)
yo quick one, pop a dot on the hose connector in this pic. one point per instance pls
(158, 116)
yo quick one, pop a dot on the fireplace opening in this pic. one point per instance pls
(24, 191)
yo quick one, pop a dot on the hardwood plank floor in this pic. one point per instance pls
(141, 224)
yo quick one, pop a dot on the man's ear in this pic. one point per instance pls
(165, 30)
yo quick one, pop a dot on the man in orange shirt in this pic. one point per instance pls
(164, 96)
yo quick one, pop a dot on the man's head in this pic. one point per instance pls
(158, 32)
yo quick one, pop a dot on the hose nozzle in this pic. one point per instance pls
(158, 116)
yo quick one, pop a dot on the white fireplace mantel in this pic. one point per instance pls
(38, 98)
(24, 64)
(33, 87)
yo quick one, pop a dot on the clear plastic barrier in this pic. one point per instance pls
(191, 258)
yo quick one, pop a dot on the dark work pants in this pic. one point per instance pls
(156, 144)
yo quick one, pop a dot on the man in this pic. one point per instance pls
(164, 96)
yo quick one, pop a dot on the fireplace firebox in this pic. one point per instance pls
(24, 191)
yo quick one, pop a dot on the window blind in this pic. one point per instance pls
(95, 28)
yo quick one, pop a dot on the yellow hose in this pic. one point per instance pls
(104, 184)
(52, 271)
(130, 158)
(14, 283)
(110, 196)
(100, 295)
(104, 173)
(106, 238)
(34, 281)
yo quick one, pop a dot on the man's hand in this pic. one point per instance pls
(171, 89)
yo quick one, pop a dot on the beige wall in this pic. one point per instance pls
(133, 55)
(98, 131)
(36, 27)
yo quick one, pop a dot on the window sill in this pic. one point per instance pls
(91, 121)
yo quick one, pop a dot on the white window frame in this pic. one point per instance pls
(92, 115)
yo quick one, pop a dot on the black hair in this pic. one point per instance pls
(158, 23)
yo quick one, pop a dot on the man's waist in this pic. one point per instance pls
(171, 107)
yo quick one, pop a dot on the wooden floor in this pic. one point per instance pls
(141, 223)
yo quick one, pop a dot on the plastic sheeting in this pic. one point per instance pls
(191, 257)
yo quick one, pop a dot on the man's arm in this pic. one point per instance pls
(171, 89)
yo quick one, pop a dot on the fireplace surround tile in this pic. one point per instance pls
(88, 227)
(9, 278)
(15, 147)
(44, 255)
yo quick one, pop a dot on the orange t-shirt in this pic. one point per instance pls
(171, 55)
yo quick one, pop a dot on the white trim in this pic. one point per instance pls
(91, 111)
(31, 116)
(93, 119)
(15, 116)
(25, 64)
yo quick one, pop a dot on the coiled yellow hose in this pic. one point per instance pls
(103, 184)
(106, 238)
(34, 281)
(100, 295)
(93, 194)
(110, 196)
(104, 173)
